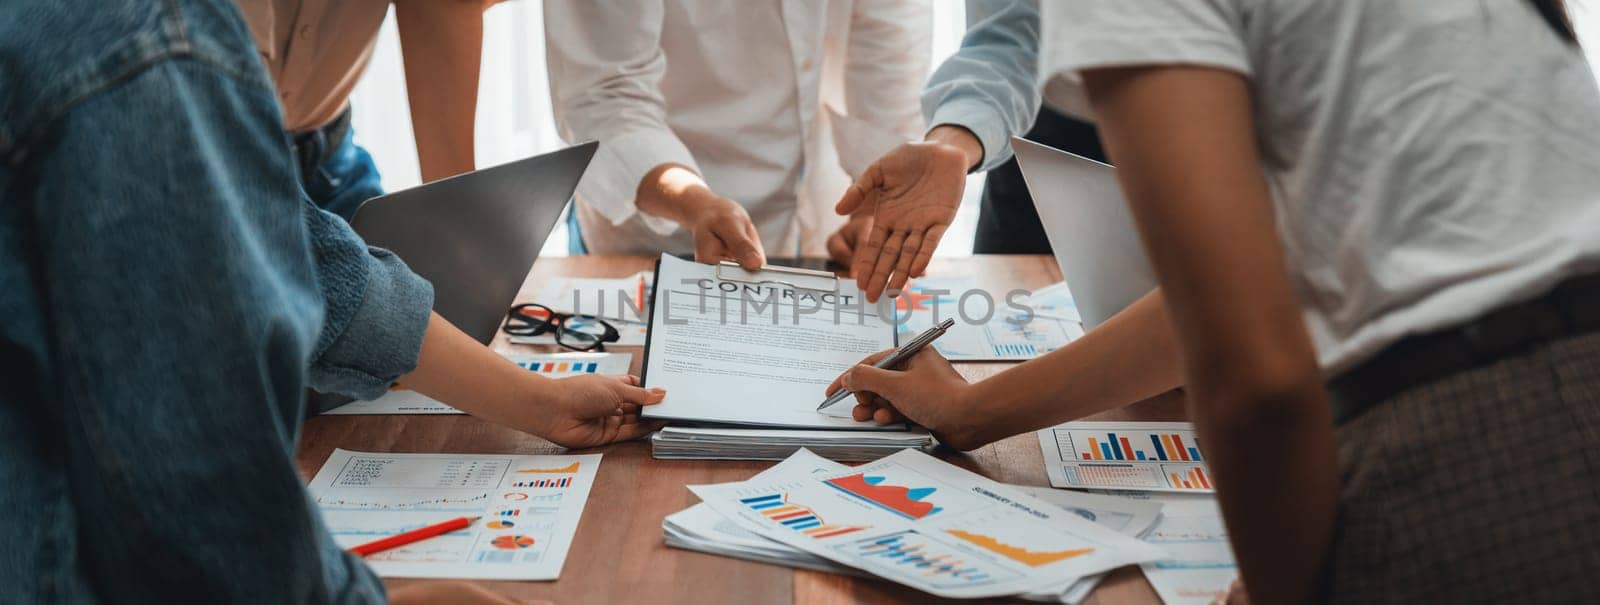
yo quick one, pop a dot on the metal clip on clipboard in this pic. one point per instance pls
(732, 272)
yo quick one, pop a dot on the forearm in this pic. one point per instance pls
(1280, 507)
(458, 370)
(1129, 358)
(442, 43)
(675, 192)
(1192, 175)
(960, 138)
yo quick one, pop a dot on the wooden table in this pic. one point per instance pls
(618, 554)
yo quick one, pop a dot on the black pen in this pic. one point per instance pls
(901, 354)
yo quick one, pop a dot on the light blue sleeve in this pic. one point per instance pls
(991, 85)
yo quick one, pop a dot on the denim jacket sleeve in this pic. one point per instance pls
(377, 310)
(166, 269)
(990, 86)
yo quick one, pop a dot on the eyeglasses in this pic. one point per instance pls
(576, 332)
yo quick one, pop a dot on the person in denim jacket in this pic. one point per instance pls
(167, 294)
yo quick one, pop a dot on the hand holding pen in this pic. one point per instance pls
(925, 390)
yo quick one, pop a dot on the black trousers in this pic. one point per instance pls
(1007, 220)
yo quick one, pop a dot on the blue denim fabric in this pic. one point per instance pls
(166, 294)
(345, 179)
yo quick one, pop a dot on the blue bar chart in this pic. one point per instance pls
(909, 553)
(1160, 456)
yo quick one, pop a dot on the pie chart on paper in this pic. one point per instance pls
(512, 542)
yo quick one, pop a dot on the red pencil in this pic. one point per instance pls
(415, 535)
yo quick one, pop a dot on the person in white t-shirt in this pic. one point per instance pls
(1376, 226)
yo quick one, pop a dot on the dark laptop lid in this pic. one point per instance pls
(475, 235)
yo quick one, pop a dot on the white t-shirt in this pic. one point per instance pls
(1430, 160)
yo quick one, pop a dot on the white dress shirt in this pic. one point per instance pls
(733, 90)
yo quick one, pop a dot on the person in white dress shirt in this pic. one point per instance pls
(710, 118)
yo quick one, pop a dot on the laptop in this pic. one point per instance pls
(1090, 229)
(474, 236)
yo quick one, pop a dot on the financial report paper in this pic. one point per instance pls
(755, 349)
(528, 509)
(930, 525)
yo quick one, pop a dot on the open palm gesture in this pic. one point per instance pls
(912, 193)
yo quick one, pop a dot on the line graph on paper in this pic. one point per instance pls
(387, 530)
(465, 502)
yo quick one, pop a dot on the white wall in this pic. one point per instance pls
(514, 119)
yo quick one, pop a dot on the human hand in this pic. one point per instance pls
(721, 227)
(723, 230)
(927, 391)
(590, 410)
(912, 193)
(844, 243)
(451, 592)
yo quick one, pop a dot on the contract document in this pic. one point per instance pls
(756, 349)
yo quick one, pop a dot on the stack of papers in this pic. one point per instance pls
(912, 519)
(701, 529)
(702, 443)
(752, 354)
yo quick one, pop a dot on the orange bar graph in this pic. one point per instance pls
(1199, 477)
(1182, 453)
(1172, 450)
(1175, 480)
(1094, 448)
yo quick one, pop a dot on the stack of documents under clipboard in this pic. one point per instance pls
(712, 443)
(745, 358)
(912, 519)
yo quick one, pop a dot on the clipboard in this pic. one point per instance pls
(821, 281)
(807, 280)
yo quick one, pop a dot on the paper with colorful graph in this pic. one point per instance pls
(528, 506)
(921, 522)
(400, 400)
(990, 326)
(1147, 456)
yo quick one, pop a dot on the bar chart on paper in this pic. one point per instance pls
(1156, 456)
(779, 509)
(910, 554)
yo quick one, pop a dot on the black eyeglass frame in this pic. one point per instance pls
(556, 321)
